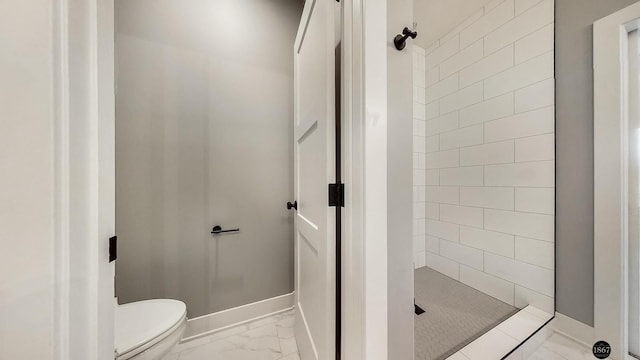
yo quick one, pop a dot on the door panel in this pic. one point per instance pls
(314, 138)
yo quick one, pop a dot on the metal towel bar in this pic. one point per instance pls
(218, 230)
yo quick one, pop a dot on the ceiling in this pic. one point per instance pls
(436, 18)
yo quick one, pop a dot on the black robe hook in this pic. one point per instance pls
(400, 41)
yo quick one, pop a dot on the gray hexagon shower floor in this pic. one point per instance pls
(456, 314)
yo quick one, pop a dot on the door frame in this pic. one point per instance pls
(353, 262)
(364, 170)
(610, 63)
(84, 127)
(84, 172)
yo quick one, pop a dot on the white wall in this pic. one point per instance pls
(435, 18)
(26, 183)
(490, 152)
(399, 184)
(374, 195)
(419, 158)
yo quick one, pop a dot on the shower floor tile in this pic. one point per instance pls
(271, 338)
(456, 314)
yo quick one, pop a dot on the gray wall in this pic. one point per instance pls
(400, 184)
(204, 137)
(574, 159)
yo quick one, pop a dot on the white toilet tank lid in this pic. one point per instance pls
(138, 323)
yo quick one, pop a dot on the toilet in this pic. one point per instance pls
(147, 330)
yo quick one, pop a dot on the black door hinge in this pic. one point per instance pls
(336, 195)
(113, 248)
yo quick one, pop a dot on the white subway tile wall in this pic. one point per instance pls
(484, 127)
(421, 144)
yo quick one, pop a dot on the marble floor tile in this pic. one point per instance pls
(291, 357)
(171, 356)
(271, 338)
(544, 353)
(289, 346)
(559, 347)
(224, 349)
(285, 332)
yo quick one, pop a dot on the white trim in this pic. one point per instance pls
(92, 182)
(374, 124)
(364, 89)
(102, 14)
(574, 329)
(353, 269)
(610, 36)
(211, 323)
(83, 192)
(61, 178)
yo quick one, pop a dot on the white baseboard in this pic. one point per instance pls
(212, 323)
(574, 329)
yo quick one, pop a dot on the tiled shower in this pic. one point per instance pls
(484, 153)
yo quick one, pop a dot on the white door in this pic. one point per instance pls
(314, 144)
